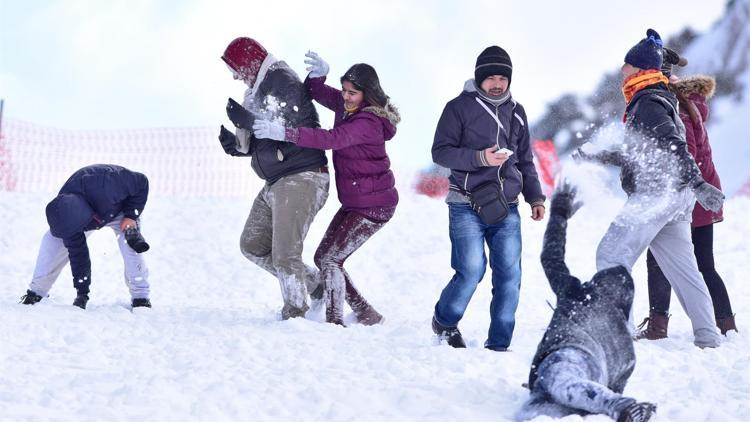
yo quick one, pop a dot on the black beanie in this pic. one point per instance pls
(493, 61)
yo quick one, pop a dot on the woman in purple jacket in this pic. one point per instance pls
(364, 120)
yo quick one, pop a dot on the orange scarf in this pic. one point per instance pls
(640, 80)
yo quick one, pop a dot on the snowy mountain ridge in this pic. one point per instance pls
(722, 52)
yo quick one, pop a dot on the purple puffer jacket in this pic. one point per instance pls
(362, 167)
(698, 89)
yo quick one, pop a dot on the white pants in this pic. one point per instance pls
(662, 223)
(53, 256)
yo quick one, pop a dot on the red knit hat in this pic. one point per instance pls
(245, 56)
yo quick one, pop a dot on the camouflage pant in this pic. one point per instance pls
(276, 228)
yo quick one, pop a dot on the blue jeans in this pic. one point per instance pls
(468, 235)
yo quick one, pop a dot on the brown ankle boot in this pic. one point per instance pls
(655, 327)
(726, 324)
(368, 316)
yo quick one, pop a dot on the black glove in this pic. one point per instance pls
(239, 116)
(228, 142)
(135, 240)
(564, 201)
(708, 196)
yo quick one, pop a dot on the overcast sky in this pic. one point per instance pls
(129, 64)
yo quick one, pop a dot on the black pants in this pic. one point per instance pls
(659, 289)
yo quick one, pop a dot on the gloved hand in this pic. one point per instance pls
(135, 240)
(318, 67)
(269, 129)
(708, 196)
(238, 115)
(578, 155)
(564, 201)
(228, 142)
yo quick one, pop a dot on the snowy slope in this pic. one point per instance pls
(213, 349)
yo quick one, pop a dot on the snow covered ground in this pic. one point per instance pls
(212, 348)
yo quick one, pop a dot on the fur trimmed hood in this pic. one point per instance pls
(703, 85)
(390, 112)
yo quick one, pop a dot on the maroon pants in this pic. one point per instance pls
(347, 232)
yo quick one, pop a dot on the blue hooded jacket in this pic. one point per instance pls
(92, 197)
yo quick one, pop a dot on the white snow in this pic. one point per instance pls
(212, 348)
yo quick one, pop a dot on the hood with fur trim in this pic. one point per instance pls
(389, 112)
(702, 85)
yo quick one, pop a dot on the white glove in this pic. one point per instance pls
(318, 67)
(708, 196)
(269, 129)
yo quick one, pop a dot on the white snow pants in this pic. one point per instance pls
(662, 223)
(53, 256)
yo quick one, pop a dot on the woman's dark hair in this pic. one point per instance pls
(365, 79)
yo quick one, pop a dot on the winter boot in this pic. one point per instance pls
(289, 311)
(81, 300)
(637, 412)
(334, 316)
(368, 316)
(450, 334)
(141, 303)
(655, 327)
(30, 298)
(724, 324)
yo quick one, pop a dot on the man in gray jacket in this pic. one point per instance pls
(483, 138)
(296, 178)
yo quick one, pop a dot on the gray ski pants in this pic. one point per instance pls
(662, 223)
(276, 228)
(570, 382)
(53, 256)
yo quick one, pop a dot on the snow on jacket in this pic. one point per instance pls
(656, 157)
(592, 316)
(279, 94)
(698, 89)
(466, 128)
(362, 167)
(92, 197)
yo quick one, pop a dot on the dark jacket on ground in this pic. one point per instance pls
(273, 160)
(362, 167)
(697, 90)
(654, 157)
(92, 197)
(466, 128)
(592, 316)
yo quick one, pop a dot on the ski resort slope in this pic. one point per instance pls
(213, 347)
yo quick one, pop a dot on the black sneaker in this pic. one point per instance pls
(81, 300)
(450, 334)
(637, 412)
(30, 298)
(141, 303)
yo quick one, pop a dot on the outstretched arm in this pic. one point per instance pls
(562, 207)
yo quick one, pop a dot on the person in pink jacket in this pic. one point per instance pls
(693, 94)
(364, 120)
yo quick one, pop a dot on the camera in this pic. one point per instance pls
(135, 240)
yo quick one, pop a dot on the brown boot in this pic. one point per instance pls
(655, 327)
(726, 324)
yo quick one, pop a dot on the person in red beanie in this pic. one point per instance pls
(296, 179)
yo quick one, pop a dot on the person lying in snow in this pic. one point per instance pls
(586, 356)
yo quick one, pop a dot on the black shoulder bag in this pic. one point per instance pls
(488, 200)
